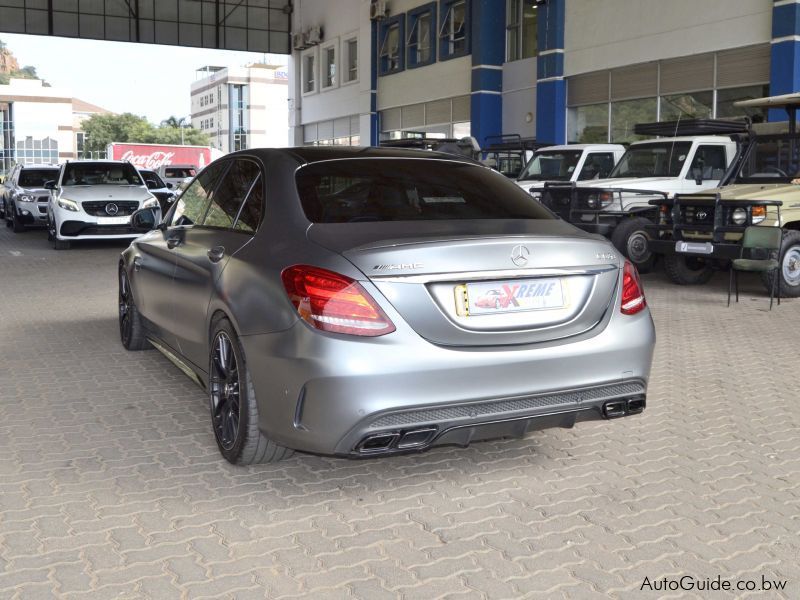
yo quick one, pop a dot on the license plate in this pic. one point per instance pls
(113, 220)
(517, 295)
(694, 247)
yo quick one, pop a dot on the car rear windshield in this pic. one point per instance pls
(389, 189)
(36, 177)
(661, 159)
(100, 174)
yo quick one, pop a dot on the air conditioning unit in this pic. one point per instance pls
(377, 10)
(314, 36)
(299, 41)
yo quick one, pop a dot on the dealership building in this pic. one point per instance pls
(557, 70)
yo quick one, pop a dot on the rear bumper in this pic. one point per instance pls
(327, 394)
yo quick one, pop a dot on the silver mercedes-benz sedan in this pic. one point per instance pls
(365, 301)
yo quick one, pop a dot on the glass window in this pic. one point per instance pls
(329, 66)
(390, 48)
(35, 178)
(589, 124)
(597, 165)
(771, 159)
(179, 172)
(253, 209)
(410, 190)
(230, 194)
(521, 27)
(309, 82)
(420, 48)
(625, 115)
(99, 173)
(552, 165)
(190, 207)
(726, 98)
(656, 159)
(351, 60)
(453, 32)
(694, 105)
(708, 163)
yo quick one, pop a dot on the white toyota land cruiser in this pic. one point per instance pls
(94, 200)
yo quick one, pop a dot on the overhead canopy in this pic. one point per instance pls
(250, 25)
(784, 101)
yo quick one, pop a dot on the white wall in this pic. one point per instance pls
(40, 119)
(443, 79)
(519, 97)
(601, 35)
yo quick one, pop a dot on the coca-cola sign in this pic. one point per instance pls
(154, 156)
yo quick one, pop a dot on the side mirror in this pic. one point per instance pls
(170, 186)
(697, 173)
(50, 185)
(146, 219)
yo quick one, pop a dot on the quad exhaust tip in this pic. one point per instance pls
(396, 440)
(623, 407)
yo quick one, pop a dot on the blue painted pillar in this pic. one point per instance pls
(551, 88)
(374, 124)
(488, 32)
(785, 54)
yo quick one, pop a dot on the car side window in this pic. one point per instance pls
(191, 207)
(709, 161)
(231, 194)
(597, 166)
(253, 209)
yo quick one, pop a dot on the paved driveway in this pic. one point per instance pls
(111, 485)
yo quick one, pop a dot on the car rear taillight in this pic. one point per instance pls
(633, 299)
(332, 302)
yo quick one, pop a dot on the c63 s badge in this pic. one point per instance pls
(397, 267)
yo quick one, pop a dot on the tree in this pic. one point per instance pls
(101, 130)
(173, 121)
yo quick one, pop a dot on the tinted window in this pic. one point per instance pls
(597, 166)
(179, 172)
(91, 173)
(193, 202)
(552, 165)
(154, 176)
(771, 159)
(250, 217)
(36, 177)
(410, 190)
(230, 194)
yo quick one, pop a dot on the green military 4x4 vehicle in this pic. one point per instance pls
(697, 233)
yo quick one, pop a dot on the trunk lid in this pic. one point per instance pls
(483, 283)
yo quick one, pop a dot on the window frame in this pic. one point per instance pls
(444, 40)
(259, 179)
(386, 26)
(412, 48)
(344, 53)
(312, 53)
(224, 164)
(517, 25)
(323, 65)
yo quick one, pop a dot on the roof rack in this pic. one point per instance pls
(693, 127)
(510, 142)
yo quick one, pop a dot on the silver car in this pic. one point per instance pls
(435, 303)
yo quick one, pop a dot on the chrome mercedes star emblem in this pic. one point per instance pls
(519, 255)
(111, 209)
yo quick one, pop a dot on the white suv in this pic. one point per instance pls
(94, 200)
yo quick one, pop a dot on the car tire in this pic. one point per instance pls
(131, 328)
(789, 272)
(16, 225)
(61, 244)
(232, 402)
(630, 237)
(687, 270)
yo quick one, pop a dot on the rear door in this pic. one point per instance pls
(232, 217)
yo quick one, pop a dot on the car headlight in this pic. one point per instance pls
(759, 214)
(739, 216)
(67, 204)
(150, 203)
(600, 200)
(25, 198)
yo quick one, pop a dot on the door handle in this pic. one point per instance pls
(173, 242)
(216, 253)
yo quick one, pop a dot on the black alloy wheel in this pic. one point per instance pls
(225, 391)
(131, 331)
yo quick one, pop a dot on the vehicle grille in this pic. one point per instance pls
(76, 228)
(500, 407)
(699, 215)
(97, 208)
(44, 199)
(558, 200)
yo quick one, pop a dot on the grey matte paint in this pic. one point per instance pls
(320, 391)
